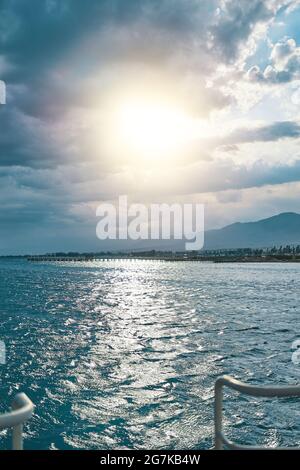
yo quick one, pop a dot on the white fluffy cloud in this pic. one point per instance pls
(284, 66)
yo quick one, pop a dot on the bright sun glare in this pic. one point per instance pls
(152, 130)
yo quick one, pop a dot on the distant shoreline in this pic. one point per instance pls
(282, 254)
(170, 258)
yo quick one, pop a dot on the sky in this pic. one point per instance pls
(211, 89)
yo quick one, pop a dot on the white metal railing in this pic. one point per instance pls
(22, 409)
(226, 380)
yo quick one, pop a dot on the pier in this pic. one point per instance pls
(45, 258)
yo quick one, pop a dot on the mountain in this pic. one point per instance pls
(281, 229)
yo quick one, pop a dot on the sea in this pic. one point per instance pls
(124, 354)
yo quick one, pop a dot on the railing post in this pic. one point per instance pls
(218, 410)
(17, 431)
(251, 390)
(17, 437)
(22, 409)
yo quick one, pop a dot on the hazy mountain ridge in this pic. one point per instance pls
(281, 229)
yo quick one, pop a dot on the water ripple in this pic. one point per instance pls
(125, 355)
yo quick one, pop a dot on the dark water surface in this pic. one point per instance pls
(124, 354)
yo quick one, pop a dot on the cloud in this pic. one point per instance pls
(179, 35)
(224, 175)
(284, 67)
(62, 59)
(230, 143)
(32, 142)
(237, 21)
(37, 35)
(251, 204)
(267, 133)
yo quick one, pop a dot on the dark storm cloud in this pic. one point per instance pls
(237, 20)
(51, 61)
(35, 34)
(50, 53)
(49, 68)
(31, 142)
(20, 143)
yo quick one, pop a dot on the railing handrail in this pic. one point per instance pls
(252, 390)
(22, 409)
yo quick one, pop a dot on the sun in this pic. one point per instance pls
(151, 129)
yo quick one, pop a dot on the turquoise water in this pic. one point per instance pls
(125, 354)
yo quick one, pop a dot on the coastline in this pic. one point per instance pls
(175, 258)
